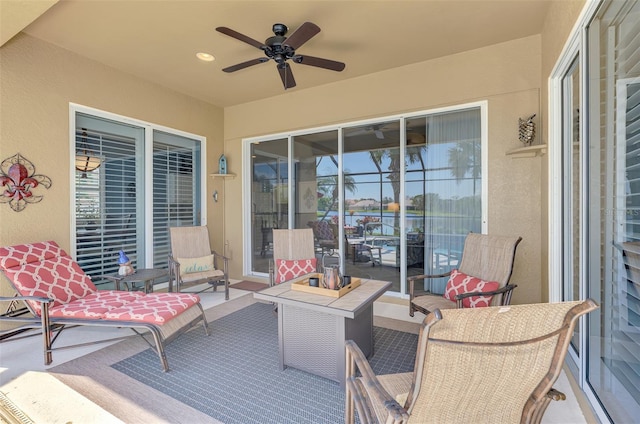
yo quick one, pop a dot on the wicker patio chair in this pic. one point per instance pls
(487, 365)
(488, 258)
(53, 293)
(192, 262)
(293, 255)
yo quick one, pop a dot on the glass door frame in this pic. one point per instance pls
(149, 129)
(247, 177)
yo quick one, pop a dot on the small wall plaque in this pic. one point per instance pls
(19, 179)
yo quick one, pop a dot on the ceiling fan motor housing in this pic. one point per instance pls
(280, 29)
(274, 46)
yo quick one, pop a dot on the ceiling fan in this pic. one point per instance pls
(281, 49)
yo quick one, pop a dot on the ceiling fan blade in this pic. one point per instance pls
(304, 33)
(241, 37)
(245, 64)
(379, 134)
(319, 62)
(286, 75)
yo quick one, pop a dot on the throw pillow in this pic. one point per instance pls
(462, 283)
(324, 231)
(289, 269)
(191, 265)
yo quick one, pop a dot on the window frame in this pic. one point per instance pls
(148, 129)
(482, 105)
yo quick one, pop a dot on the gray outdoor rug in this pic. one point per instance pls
(233, 375)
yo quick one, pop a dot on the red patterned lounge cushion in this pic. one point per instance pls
(289, 269)
(45, 270)
(462, 283)
(154, 308)
(14, 256)
(95, 305)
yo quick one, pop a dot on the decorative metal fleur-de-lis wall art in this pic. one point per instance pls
(527, 130)
(18, 177)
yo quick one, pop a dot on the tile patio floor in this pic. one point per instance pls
(26, 385)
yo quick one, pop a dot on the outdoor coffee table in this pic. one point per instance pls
(312, 328)
(146, 276)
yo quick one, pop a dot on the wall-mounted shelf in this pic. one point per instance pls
(222, 175)
(528, 152)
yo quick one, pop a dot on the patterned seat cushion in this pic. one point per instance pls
(95, 305)
(154, 308)
(289, 269)
(460, 283)
(45, 270)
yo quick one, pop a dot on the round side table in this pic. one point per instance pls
(146, 276)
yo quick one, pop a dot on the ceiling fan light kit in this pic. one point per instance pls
(282, 49)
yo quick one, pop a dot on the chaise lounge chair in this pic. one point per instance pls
(53, 293)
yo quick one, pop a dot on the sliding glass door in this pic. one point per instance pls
(132, 183)
(393, 197)
(443, 190)
(269, 198)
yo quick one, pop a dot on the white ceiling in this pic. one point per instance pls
(157, 40)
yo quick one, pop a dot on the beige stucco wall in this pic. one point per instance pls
(37, 82)
(506, 75)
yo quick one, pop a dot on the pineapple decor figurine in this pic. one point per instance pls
(527, 130)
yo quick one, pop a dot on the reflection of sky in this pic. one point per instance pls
(369, 183)
(438, 179)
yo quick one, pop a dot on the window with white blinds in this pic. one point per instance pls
(111, 209)
(626, 305)
(613, 204)
(175, 186)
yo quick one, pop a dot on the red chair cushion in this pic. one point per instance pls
(289, 269)
(95, 305)
(460, 283)
(45, 270)
(154, 308)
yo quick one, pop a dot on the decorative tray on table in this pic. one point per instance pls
(303, 285)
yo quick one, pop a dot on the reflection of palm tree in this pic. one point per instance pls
(329, 186)
(413, 155)
(464, 157)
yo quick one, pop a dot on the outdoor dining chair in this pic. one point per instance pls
(489, 365)
(481, 279)
(293, 255)
(193, 263)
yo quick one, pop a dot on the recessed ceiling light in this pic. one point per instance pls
(206, 57)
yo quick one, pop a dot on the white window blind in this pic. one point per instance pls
(112, 213)
(175, 188)
(106, 202)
